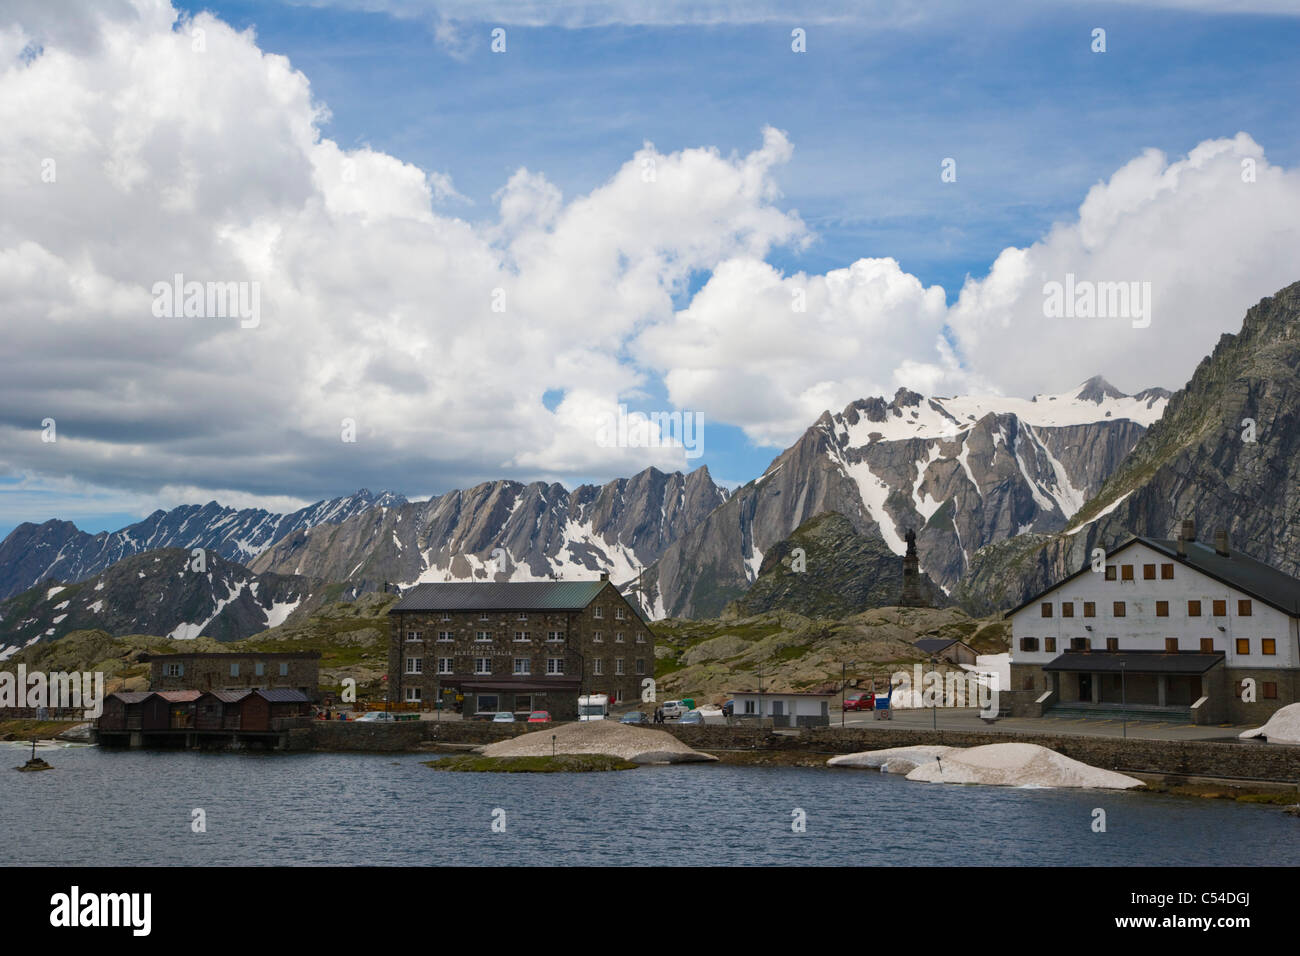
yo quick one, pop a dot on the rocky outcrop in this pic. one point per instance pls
(827, 568)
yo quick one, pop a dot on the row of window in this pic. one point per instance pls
(521, 637)
(1120, 608)
(522, 665)
(259, 669)
(1268, 645)
(620, 614)
(1124, 572)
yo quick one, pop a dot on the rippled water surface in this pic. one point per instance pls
(102, 808)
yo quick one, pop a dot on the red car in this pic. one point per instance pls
(859, 702)
(539, 717)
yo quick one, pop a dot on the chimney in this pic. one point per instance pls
(604, 575)
(1189, 529)
(1221, 542)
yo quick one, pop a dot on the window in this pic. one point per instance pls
(1207, 645)
(415, 665)
(1089, 609)
(1049, 644)
(1268, 646)
(444, 665)
(1047, 609)
(1243, 608)
(1110, 572)
(1112, 643)
(1148, 572)
(618, 637)
(640, 665)
(1166, 572)
(522, 616)
(234, 668)
(415, 635)
(284, 669)
(1243, 645)
(174, 670)
(619, 614)
(523, 665)
(413, 694)
(597, 637)
(483, 636)
(1193, 608)
(598, 667)
(259, 668)
(1171, 645)
(1080, 644)
(1220, 608)
(445, 617)
(1067, 609)
(487, 703)
(555, 665)
(1270, 690)
(521, 636)
(483, 615)
(1128, 573)
(1029, 643)
(1118, 610)
(598, 613)
(482, 665)
(1162, 608)
(749, 707)
(444, 635)
(556, 636)
(640, 637)
(618, 665)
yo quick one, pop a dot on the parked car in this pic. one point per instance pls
(673, 709)
(728, 708)
(632, 717)
(859, 702)
(375, 715)
(503, 717)
(692, 718)
(540, 717)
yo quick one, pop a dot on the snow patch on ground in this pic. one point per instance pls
(1019, 765)
(55, 590)
(892, 759)
(1282, 728)
(1105, 511)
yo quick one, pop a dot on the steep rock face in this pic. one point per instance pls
(162, 593)
(505, 531)
(57, 549)
(1196, 462)
(963, 472)
(835, 572)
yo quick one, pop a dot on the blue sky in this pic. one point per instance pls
(1013, 93)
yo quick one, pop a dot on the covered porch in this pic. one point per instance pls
(1136, 684)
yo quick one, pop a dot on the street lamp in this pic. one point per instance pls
(843, 680)
(934, 662)
(1123, 695)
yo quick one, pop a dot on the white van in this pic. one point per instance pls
(593, 707)
(673, 709)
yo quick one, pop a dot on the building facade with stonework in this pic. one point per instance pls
(1181, 628)
(240, 671)
(486, 647)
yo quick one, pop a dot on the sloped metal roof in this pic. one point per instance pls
(131, 696)
(489, 596)
(230, 696)
(1134, 662)
(179, 696)
(284, 695)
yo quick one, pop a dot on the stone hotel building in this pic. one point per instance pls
(487, 647)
